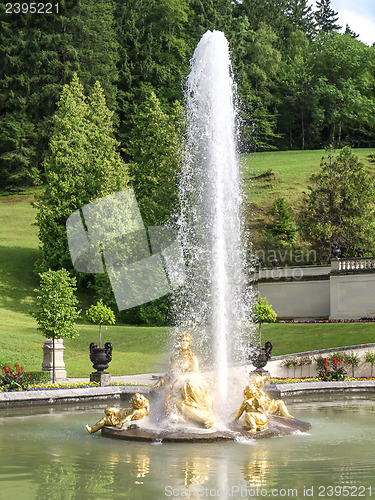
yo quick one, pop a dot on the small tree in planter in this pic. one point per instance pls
(263, 313)
(370, 358)
(352, 360)
(56, 307)
(100, 314)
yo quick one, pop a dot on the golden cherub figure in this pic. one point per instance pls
(255, 419)
(270, 406)
(119, 416)
(186, 395)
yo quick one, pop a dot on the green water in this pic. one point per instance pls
(46, 453)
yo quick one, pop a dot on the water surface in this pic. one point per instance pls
(47, 453)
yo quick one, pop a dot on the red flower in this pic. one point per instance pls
(30, 376)
(16, 365)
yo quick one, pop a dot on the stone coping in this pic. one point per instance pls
(64, 396)
(77, 395)
(311, 389)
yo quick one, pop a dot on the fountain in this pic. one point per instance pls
(214, 305)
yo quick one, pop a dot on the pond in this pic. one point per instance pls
(47, 453)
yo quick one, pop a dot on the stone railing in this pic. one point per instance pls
(353, 265)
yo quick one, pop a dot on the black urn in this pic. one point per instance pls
(259, 355)
(100, 356)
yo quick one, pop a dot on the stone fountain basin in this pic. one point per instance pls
(277, 426)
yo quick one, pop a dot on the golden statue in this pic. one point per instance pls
(185, 391)
(119, 416)
(255, 419)
(270, 406)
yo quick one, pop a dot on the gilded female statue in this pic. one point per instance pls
(185, 391)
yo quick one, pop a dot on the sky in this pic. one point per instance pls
(359, 14)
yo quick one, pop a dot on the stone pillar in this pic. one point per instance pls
(47, 365)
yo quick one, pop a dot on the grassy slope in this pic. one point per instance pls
(292, 169)
(138, 349)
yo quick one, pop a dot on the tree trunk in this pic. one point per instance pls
(53, 360)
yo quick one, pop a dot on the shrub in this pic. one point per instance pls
(38, 377)
(14, 379)
(331, 368)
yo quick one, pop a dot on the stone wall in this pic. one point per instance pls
(345, 289)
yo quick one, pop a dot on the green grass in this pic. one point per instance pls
(137, 349)
(292, 169)
(288, 338)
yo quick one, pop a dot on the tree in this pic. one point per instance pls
(263, 313)
(298, 108)
(84, 164)
(38, 55)
(56, 307)
(283, 225)
(156, 151)
(300, 14)
(326, 18)
(339, 208)
(100, 314)
(257, 65)
(344, 87)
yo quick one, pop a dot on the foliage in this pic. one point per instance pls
(84, 164)
(13, 379)
(339, 208)
(56, 305)
(344, 87)
(283, 225)
(100, 314)
(156, 151)
(263, 313)
(326, 18)
(331, 368)
(370, 358)
(37, 377)
(352, 360)
(39, 54)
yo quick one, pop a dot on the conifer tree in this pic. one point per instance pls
(83, 165)
(300, 14)
(38, 55)
(326, 18)
(156, 151)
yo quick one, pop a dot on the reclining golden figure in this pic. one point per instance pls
(119, 416)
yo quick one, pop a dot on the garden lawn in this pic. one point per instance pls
(291, 174)
(288, 338)
(138, 349)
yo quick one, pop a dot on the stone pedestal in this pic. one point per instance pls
(47, 365)
(260, 371)
(102, 379)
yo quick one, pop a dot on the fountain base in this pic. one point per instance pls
(277, 426)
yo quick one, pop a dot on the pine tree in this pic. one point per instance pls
(300, 14)
(83, 165)
(38, 55)
(325, 17)
(156, 152)
(339, 206)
